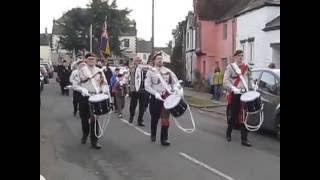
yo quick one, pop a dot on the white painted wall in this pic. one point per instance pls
(250, 25)
(45, 53)
(144, 60)
(190, 51)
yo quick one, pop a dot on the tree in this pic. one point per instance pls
(75, 33)
(176, 58)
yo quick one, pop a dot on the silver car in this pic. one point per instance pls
(268, 81)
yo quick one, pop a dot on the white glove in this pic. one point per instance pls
(236, 90)
(85, 92)
(158, 96)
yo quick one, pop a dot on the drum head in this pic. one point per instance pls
(98, 98)
(171, 101)
(249, 96)
(137, 78)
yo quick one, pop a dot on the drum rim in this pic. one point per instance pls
(105, 97)
(245, 95)
(165, 105)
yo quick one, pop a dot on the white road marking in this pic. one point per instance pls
(215, 171)
(137, 128)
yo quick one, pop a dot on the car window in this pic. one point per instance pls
(268, 84)
(255, 75)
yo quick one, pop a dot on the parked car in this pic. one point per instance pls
(41, 85)
(49, 68)
(268, 81)
(45, 74)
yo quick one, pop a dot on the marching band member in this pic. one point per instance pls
(141, 95)
(235, 87)
(159, 91)
(74, 80)
(92, 81)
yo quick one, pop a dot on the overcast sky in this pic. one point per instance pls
(167, 15)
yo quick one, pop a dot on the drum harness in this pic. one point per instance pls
(246, 114)
(174, 90)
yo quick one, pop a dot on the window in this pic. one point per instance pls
(243, 47)
(126, 42)
(187, 41)
(225, 30)
(204, 67)
(268, 83)
(250, 50)
(255, 76)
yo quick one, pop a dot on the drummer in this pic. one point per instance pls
(90, 86)
(158, 92)
(235, 88)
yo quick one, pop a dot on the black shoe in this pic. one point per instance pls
(165, 143)
(131, 119)
(83, 140)
(228, 138)
(141, 124)
(96, 146)
(153, 138)
(246, 143)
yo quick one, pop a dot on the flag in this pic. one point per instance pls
(104, 43)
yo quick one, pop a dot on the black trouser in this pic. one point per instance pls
(233, 110)
(84, 112)
(63, 90)
(142, 97)
(75, 101)
(155, 109)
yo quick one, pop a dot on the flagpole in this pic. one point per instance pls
(90, 37)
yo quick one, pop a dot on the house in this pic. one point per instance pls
(166, 53)
(215, 33)
(128, 42)
(190, 49)
(45, 47)
(258, 32)
(272, 30)
(144, 50)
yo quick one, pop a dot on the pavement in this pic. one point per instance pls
(216, 107)
(128, 153)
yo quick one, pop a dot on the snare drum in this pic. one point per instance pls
(99, 104)
(175, 104)
(252, 101)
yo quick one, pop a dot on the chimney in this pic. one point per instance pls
(45, 31)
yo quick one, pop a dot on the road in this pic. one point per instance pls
(128, 153)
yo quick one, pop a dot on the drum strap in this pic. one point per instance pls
(237, 80)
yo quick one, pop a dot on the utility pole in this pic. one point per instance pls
(90, 38)
(152, 38)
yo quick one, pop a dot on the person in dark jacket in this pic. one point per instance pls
(64, 75)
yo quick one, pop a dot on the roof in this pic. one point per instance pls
(144, 46)
(45, 39)
(222, 10)
(214, 9)
(256, 4)
(165, 49)
(273, 24)
(130, 31)
(230, 13)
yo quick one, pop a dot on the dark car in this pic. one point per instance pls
(268, 81)
(49, 68)
(45, 73)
